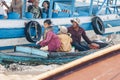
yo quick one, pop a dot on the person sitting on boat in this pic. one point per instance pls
(35, 9)
(51, 41)
(45, 9)
(76, 33)
(16, 6)
(65, 39)
(2, 10)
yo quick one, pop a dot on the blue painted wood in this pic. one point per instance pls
(13, 47)
(1, 16)
(13, 15)
(6, 58)
(24, 7)
(19, 32)
(91, 7)
(29, 15)
(31, 50)
(13, 33)
(24, 59)
(39, 52)
(6, 48)
(23, 49)
(53, 58)
(113, 22)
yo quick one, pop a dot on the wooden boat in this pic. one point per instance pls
(32, 55)
(13, 30)
(29, 55)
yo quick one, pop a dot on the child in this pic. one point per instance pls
(50, 40)
(65, 40)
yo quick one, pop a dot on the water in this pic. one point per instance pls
(23, 72)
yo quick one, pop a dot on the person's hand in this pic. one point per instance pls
(94, 46)
(37, 42)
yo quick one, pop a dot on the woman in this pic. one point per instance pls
(50, 41)
(45, 9)
(65, 39)
(16, 6)
(77, 33)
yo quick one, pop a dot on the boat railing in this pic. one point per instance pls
(68, 8)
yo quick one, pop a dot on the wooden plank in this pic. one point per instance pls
(12, 23)
(107, 30)
(61, 21)
(21, 54)
(27, 50)
(10, 58)
(31, 51)
(39, 52)
(101, 69)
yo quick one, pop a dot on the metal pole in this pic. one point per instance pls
(73, 8)
(101, 7)
(107, 7)
(91, 7)
(23, 7)
(115, 8)
(50, 9)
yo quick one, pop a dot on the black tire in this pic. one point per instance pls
(98, 26)
(37, 27)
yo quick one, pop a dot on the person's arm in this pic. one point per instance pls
(47, 39)
(4, 3)
(5, 14)
(85, 37)
(10, 9)
(91, 45)
(71, 40)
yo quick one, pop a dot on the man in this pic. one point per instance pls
(35, 9)
(76, 33)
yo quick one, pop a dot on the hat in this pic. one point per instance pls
(63, 29)
(77, 20)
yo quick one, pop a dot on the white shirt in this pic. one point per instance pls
(2, 11)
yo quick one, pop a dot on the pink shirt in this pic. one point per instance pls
(52, 41)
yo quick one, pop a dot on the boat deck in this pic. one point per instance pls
(105, 68)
